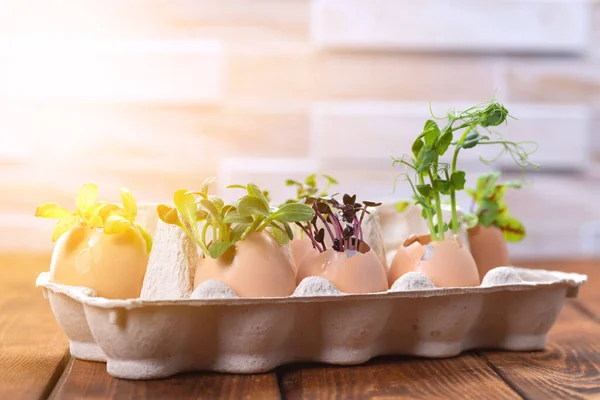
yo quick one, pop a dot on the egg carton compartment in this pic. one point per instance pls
(213, 330)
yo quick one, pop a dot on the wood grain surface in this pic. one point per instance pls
(84, 379)
(34, 361)
(398, 378)
(33, 349)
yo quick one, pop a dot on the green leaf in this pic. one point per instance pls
(254, 191)
(236, 218)
(217, 201)
(236, 186)
(417, 147)
(52, 210)
(470, 220)
(146, 235)
(168, 215)
(426, 159)
(402, 206)
(443, 143)
(469, 144)
(129, 203)
(291, 182)
(217, 249)
(443, 186)
(458, 180)
(294, 212)
(487, 212)
(205, 185)
(186, 205)
(237, 232)
(87, 195)
(330, 180)
(288, 230)
(279, 234)
(62, 226)
(425, 190)
(249, 206)
(311, 180)
(211, 208)
(512, 184)
(512, 229)
(431, 131)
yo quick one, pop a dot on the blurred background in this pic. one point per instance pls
(157, 95)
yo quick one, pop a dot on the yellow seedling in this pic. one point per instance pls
(112, 218)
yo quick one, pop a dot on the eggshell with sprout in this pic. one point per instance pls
(446, 264)
(112, 265)
(257, 266)
(350, 271)
(300, 248)
(488, 247)
(407, 257)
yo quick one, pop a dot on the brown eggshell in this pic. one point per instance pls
(451, 264)
(256, 267)
(359, 273)
(407, 259)
(488, 247)
(113, 265)
(300, 248)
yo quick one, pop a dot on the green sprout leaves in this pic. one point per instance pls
(309, 187)
(229, 223)
(434, 178)
(488, 196)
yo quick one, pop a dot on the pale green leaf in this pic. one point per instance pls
(294, 212)
(63, 226)
(52, 210)
(87, 196)
(147, 237)
(116, 224)
(249, 206)
(129, 203)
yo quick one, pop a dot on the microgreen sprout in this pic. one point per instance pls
(309, 188)
(341, 221)
(488, 197)
(230, 223)
(435, 179)
(111, 218)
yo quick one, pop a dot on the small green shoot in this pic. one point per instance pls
(230, 223)
(309, 187)
(488, 197)
(435, 179)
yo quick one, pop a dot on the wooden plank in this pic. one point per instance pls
(398, 378)
(536, 26)
(33, 349)
(83, 379)
(568, 368)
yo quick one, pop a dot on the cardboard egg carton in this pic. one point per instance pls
(172, 328)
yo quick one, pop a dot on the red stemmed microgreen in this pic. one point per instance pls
(342, 222)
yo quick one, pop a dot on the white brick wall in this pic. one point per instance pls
(463, 25)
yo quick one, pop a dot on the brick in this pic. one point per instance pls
(523, 25)
(396, 76)
(231, 21)
(111, 71)
(271, 73)
(379, 130)
(553, 81)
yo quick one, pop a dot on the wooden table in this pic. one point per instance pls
(34, 360)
